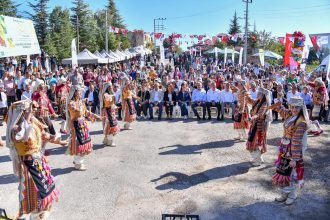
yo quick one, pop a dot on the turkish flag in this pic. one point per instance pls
(288, 48)
(314, 42)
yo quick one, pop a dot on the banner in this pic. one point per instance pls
(240, 62)
(304, 58)
(74, 57)
(17, 37)
(287, 53)
(216, 56)
(225, 58)
(262, 57)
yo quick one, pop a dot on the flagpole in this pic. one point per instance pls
(106, 31)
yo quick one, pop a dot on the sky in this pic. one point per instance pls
(212, 17)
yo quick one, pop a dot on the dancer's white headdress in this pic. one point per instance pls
(104, 88)
(15, 113)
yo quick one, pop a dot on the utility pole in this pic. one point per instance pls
(78, 33)
(106, 31)
(158, 26)
(246, 28)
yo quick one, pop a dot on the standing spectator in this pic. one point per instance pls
(3, 105)
(92, 96)
(27, 94)
(10, 88)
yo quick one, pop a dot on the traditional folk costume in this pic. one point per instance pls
(289, 178)
(260, 120)
(80, 143)
(108, 114)
(241, 114)
(44, 107)
(128, 107)
(25, 137)
(62, 92)
(320, 101)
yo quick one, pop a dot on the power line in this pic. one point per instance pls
(290, 9)
(291, 12)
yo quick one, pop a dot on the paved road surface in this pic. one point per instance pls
(177, 167)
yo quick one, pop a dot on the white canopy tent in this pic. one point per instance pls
(86, 57)
(117, 56)
(270, 54)
(111, 58)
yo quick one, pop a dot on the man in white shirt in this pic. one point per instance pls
(27, 94)
(156, 99)
(213, 100)
(254, 91)
(293, 92)
(227, 99)
(199, 99)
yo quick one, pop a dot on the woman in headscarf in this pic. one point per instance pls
(80, 143)
(108, 113)
(128, 107)
(241, 114)
(289, 176)
(25, 137)
(260, 119)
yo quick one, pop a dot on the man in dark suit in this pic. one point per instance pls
(92, 96)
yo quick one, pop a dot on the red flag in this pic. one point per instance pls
(288, 48)
(281, 40)
(158, 35)
(314, 42)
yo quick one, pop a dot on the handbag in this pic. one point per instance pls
(284, 168)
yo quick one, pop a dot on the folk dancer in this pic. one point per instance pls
(128, 108)
(25, 137)
(241, 114)
(62, 90)
(320, 103)
(80, 143)
(289, 176)
(260, 119)
(108, 114)
(44, 109)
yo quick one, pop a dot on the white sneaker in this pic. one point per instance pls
(80, 167)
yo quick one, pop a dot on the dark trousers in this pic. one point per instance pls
(19, 94)
(119, 110)
(213, 104)
(184, 108)
(169, 109)
(93, 105)
(151, 111)
(195, 105)
(142, 108)
(10, 100)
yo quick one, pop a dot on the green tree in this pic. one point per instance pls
(60, 33)
(114, 17)
(220, 44)
(125, 43)
(234, 26)
(9, 8)
(40, 19)
(83, 18)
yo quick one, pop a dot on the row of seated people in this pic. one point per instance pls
(199, 99)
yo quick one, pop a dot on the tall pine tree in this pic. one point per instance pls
(234, 26)
(88, 29)
(40, 19)
(8, 8)
(60, 33)
(115, 19)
